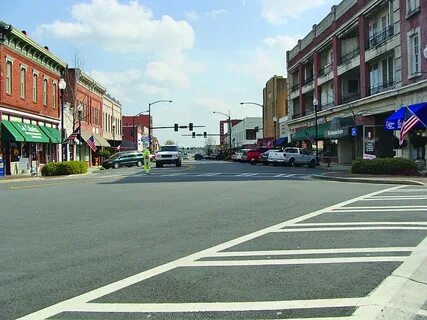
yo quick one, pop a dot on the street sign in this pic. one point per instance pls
(353, 131)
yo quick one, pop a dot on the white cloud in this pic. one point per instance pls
(163, 72)
(280, 42)
(277, 11)
(192, 15)
(121, 27)
(216, 12)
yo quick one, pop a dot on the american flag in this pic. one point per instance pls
(74, 135)
(91, 143)
(408, 123)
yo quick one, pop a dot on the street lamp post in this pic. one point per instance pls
(62, 85)
(316, 105)
(114, 134)
(275, 129)
(262, 106)
(149, 120)
(79, 114)
(229, 129)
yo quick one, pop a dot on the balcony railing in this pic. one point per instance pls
(325, 70)
(327, 105)
(350, 97)
(381, 37)
(308, 80)
(295, 87)
(350, 55)
(382, 87)
(296, 115)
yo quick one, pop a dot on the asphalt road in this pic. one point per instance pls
(228, 240)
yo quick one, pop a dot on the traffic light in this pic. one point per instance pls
(193, 134)
(190, 126)
(205, 134)
(176, 126)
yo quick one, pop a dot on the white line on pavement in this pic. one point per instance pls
(310, 251)
(350, 229)
(408, 190)
(395, 199)
(247, 174)
(271, 262)
(380, 210)
(209, 174)
(284, 175)
(421, 223)
(383, 207)
(218, 306)
(72, 303)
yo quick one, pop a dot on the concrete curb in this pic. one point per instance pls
(368, 180)
(45, 178)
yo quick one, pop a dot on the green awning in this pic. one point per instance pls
(53, 134)
(306, 133)
(31, 132)
(9, 132)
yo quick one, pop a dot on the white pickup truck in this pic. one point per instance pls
(292, 156)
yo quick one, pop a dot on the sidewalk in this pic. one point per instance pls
(343, 173)
(26, 177)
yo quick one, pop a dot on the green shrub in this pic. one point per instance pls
(105, 153)
(391, 166)
(64, 168)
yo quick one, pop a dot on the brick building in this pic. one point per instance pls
(84, 96)
(362, 62)
(135, 128)
(29, 102)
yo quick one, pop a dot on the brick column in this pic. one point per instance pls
(337, 81)
(362, 45)
(301, 100)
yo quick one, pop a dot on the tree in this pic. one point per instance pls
(209, 146)
(169, 142)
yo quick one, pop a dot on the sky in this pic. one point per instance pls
(204, 55)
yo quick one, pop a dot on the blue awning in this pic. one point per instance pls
(281, 141)
(394, 122)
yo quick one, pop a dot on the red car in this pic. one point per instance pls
(253, 156)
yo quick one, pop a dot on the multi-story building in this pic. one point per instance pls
(85, 97)
(29, 102)
(112, 120)
(245, 133)
(135, 132)
(362, 62)
(275, 108)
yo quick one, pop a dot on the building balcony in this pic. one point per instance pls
(349, 56)
(308, 80)
(350, 97)
(295, 87)
(382, 87)
(296, 116)
(326, 105)
(325, 70)
(380, 37)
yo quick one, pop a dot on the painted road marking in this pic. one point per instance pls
(74, 303)
(272, 262)
(350, 229)
(217, 306)
(310, 251)
(421, 223)
(209, 174)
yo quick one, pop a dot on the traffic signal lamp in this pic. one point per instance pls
(193, 134)
(205, 134)
(176, 127)
(190, 126)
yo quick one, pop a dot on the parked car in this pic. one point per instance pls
(124, 159)
(254, 156)
(241, 155)
(293, 157)
(264, 156)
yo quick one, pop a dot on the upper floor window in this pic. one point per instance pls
(23, 81)
(35, 80)
(9, 77)
(45, 92)
(414, 53)
(412, 6)
(54, 90)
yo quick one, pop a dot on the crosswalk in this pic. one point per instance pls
(233, 175)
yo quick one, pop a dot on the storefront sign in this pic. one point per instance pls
(31, 133)
(354, 132)
(333, 134)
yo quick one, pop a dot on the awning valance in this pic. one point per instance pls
(310, 132)
(30, 132)
(100, 141)
(394, 122)
(53, 134)
(281, 141)
(10, 133)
